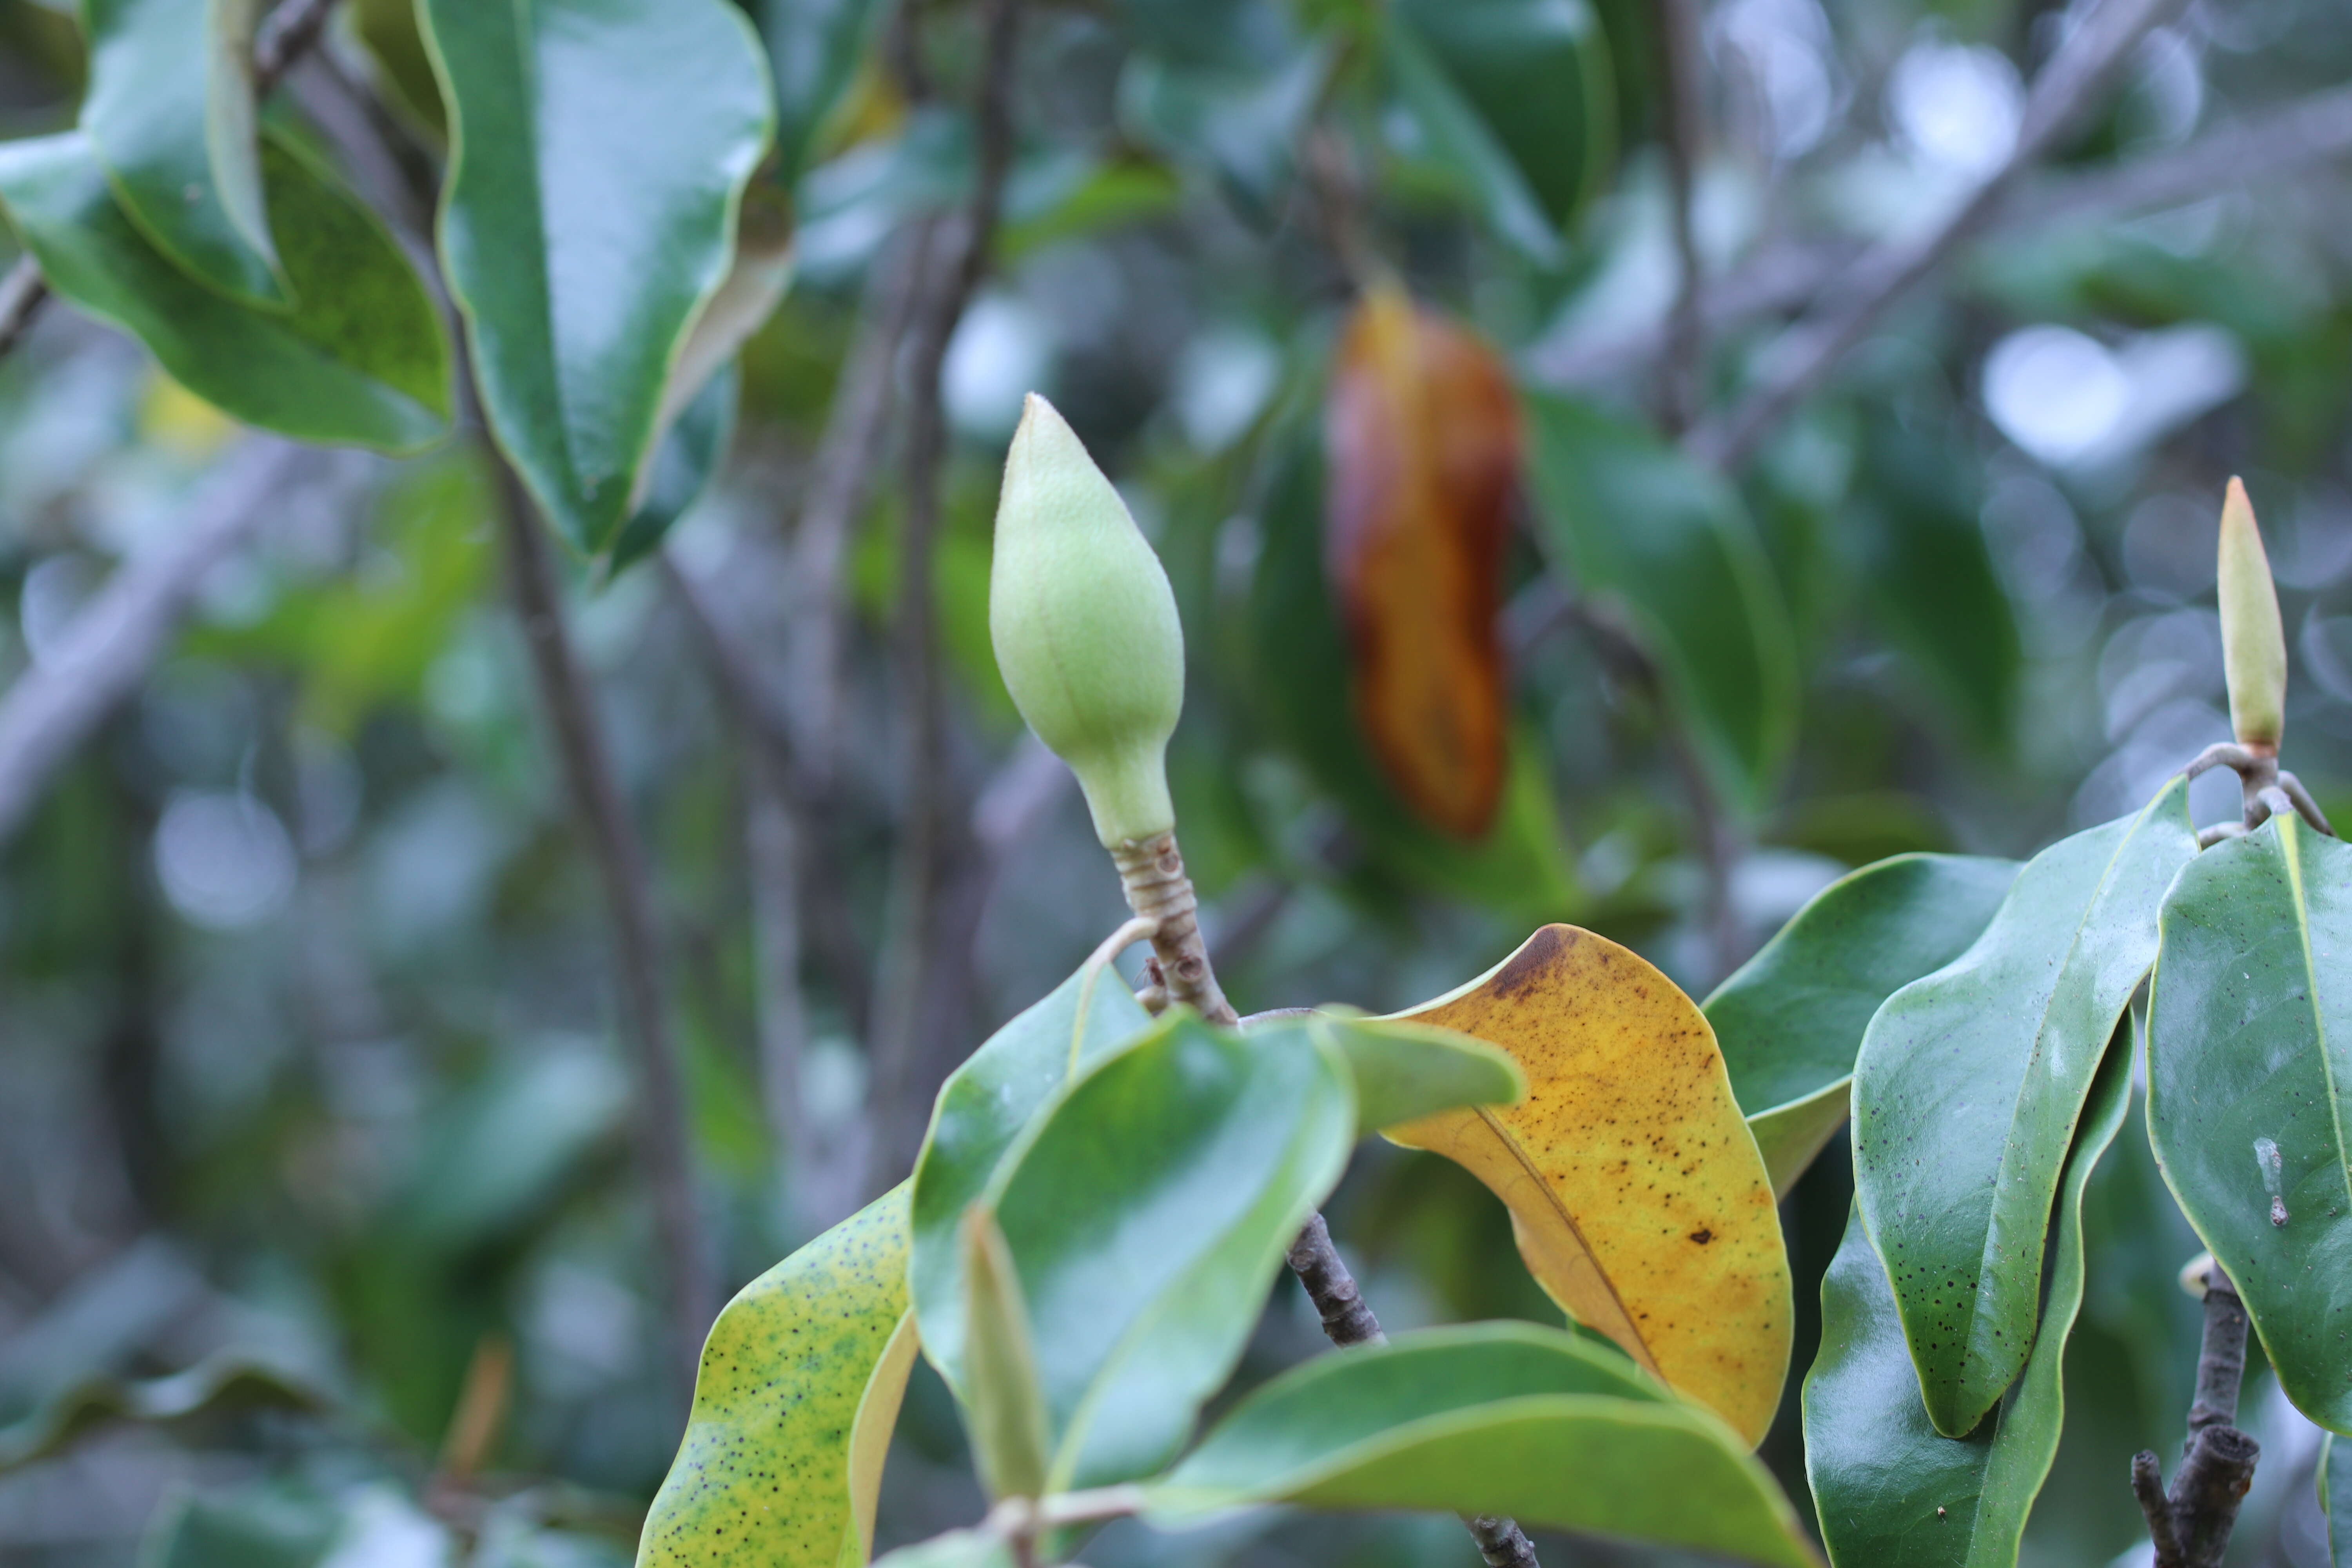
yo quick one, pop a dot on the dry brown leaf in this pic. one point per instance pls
(1422, 441)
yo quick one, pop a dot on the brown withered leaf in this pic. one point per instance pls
(1421, 437)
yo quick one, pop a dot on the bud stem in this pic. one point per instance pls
(1152, 873)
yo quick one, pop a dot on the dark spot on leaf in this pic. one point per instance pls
(1528, 965)
(1702, 1236)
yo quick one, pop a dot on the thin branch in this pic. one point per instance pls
(2306, 807)
(663, 1139)
(1681, 57)
(1347, 1321)
(2268, 145)
(2222, 1355)
(841, 481)
(2191, 1524)
(904, 984)
(22, 293)
(748, 696)
(771, 846)
(2076, 78)
(288, 30)
(281, 39)
(102, 658)
(1153, 875)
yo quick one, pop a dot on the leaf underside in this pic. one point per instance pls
(170, 111)
(360, 360)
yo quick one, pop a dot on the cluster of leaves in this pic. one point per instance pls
(1100, 1206)
(1978, 1013)
(588, 232)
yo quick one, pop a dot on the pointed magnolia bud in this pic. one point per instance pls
(1085, 626)
(2253, 645)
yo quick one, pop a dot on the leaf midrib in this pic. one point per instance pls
(2003, 1179)
(1518, 1153)
(2290, 852)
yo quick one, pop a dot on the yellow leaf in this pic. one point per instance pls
(798, 1391)
(1635, 1189)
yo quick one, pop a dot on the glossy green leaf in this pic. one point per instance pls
(982, 1112)
(2336, 1499)
(2250, 1090)
(814, 47)
(228, 1381)
(1147, 1215)
(1536, 73)
(755, 283)
(1970, 1084)
(1791, 1019)
(170, 109)
(1296, 663)
(360, 359)
(1640, 525)
(1454, 137)
(1919, 553)
(1888, 1487)
(600, 150)
(1243, 126)
(682, 470)
(1507, 1418)
(1405, 1071)
(403, 66)
(799, 1388)
(1008, 1410)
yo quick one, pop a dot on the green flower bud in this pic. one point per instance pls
(2253, 645)
(1085, 626)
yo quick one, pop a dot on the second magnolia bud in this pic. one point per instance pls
(1085, 626)
(2253, 641)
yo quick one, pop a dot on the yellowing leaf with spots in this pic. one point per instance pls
(1635, 1189)
(799, 1389)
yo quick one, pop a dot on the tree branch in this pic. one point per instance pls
(59, 702)
(1680, 59)
(2270, 146)
(841, 481)
(906, 984)
(1347, 1321)
(2077, 77)
(22, 293)
(664, 1145)
(2191, 1525)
